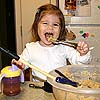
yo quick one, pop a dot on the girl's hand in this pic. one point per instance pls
(82, 48)
(17, 63)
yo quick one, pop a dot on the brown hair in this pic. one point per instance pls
(42, 11)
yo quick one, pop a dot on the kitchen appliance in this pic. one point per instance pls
(87, 28)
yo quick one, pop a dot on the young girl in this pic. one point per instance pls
(42, 53)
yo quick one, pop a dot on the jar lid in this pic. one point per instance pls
(10, 73)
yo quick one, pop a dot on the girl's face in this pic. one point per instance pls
(49, 23)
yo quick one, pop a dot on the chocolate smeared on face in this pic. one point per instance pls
(48, 35)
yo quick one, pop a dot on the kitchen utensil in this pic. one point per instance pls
(75, 84)
(57, 42)
(35, 86)
(68, 43)
(15, 56)
(78, 72)
(46, 87)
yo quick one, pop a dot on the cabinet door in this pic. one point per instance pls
(25, 11)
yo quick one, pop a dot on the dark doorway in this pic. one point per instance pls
(7, 29)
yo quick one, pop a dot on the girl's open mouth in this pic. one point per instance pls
(48, 35)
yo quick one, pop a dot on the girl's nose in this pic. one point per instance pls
(50, 27)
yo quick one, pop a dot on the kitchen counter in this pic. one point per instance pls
(29, 93)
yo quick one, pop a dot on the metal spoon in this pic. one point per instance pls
(68, 43)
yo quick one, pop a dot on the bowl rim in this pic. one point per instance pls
(70, 88)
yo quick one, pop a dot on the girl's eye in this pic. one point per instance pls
(45, 23)
(56, 24)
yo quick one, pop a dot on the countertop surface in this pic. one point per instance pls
(29, 93)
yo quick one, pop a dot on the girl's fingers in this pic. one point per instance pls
(17, 63)
(83, 47)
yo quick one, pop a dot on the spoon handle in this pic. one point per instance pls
(68, 43)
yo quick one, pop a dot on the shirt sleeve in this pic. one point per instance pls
(25, 55)
(86, 59)
(74, 56)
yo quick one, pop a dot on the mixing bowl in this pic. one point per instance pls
(79, 73)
